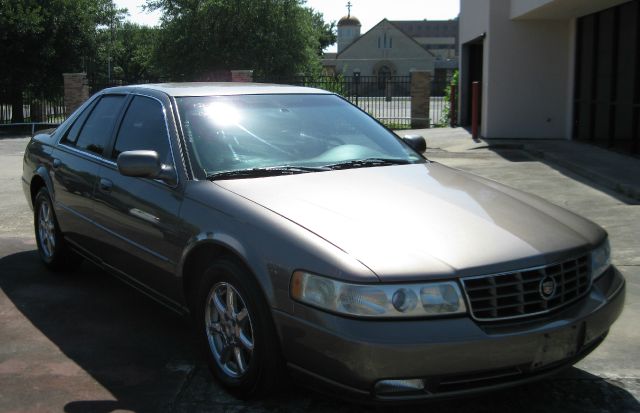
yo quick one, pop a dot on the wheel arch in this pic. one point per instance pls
(40, 179)
(200, 254)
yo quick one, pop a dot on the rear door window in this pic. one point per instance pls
(96, 131)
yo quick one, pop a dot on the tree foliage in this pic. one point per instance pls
(41, 39)
(124, 52)
(272, 37)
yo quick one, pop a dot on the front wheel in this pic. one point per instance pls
(53, 250)
(236, 331)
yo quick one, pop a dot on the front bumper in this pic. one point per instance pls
(454, 356)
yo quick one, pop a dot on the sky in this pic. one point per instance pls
(369, 12)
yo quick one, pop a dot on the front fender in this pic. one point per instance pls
(270, 245)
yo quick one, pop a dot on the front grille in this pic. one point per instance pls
(518, 294)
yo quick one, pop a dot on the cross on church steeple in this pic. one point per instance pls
(348, 8)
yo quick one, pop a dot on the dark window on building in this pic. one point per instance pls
(143, 128)
(96, 131)
(607, 95)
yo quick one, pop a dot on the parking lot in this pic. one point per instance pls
(85, 342)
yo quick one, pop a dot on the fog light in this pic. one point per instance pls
(399, 386)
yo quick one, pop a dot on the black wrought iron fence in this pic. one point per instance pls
(32, 106)
(387, 98)
(439, 103)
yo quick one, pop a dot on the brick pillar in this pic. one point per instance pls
(76, 91)
(420, 94)
(242, 76)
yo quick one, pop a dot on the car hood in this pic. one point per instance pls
(423, 220)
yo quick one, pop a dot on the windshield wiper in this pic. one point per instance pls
(264, 172)
(367, 162)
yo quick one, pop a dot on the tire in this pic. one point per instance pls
(247, 333)
(52, 248)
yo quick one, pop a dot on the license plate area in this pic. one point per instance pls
(559, 345)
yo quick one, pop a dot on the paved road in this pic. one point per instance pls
(84, 342)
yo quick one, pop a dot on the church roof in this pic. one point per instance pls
(349, 20)
(356, 41)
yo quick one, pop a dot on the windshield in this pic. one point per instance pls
(300, 133)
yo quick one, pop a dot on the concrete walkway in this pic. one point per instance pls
(614, 171)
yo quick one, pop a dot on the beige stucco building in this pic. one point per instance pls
(553, 69)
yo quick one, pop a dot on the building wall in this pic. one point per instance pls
(527, 75)
(474, 19)
(346, 35)
(526, 71)
(369, 52)
(558, 9)
(521, 7)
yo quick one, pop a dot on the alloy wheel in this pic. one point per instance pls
(46, 230)
(229, 329)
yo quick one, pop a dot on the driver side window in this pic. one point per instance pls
(144, 128)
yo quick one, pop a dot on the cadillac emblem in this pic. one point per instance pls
(547, 288)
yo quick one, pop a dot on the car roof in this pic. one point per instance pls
(218, 88)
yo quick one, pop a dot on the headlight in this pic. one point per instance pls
(600, 259)
(377, 300)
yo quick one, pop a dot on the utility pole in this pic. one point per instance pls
(109, 49)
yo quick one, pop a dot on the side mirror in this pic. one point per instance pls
(417, 142)
(144, 164)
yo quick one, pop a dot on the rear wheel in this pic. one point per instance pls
(53, 250)
(236, 331)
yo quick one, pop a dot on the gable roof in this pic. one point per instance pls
(374, 27)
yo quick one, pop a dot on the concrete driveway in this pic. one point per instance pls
(84, 342)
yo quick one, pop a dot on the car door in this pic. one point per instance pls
(76, 161)
(141, 216)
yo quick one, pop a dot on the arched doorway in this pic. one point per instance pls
(384, 74)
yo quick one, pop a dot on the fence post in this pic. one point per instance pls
(76, 91)
(242, 76)
(420, 96)
(388, 91)
(475, 106)
(453, 105)
(356, 80)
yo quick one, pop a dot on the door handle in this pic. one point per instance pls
(57, 163)
(105, 185)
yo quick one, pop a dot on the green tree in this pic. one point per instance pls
(133, 51)
(41, 39)
(326, 31)
(272, 37)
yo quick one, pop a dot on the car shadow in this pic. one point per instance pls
(133, 354)
(517, 152)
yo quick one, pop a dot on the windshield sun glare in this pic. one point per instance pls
(226, 134)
